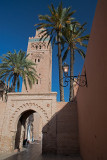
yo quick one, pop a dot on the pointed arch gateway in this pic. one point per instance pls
(19, 103)
(25, 107)
(14, 123)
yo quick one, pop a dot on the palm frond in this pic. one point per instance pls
(14, 65)
(81, 52)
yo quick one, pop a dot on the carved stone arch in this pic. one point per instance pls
(40, 46)
(36, 46)
(44, 45)
(25, 107)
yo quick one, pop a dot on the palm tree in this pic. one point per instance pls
(15, 66)
(73, 39)
(53, 26)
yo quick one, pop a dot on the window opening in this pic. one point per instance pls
(36, 81)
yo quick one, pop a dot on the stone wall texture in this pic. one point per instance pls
(16, 106)
(67, 128)
(59, 122)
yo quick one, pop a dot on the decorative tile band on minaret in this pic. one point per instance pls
(37, 40)
(41, 54)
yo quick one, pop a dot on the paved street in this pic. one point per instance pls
(33, 152)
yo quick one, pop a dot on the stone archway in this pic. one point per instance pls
(19, 111)
(21, 129)
(24, 107)
(18, 103)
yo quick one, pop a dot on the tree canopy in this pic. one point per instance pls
(15, 66)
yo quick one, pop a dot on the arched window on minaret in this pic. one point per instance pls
(36, 47)
(37, 81)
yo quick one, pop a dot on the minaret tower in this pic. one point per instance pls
(41, 54)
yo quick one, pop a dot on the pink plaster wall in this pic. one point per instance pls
(67, 128)
(92, 100)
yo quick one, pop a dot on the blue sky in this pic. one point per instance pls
(17, 20)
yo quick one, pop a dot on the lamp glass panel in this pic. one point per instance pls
(65, 68)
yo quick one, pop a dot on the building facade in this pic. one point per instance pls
(52, 122)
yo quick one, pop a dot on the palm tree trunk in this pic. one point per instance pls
(71, 73)
(60, 71)
(14, 82)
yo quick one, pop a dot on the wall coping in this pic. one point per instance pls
(31, 94)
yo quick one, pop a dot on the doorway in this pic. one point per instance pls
(29, 129)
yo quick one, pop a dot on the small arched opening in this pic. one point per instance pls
(29, 128)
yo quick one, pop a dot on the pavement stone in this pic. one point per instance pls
(33, 152)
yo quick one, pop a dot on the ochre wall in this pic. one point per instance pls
(2, 119)
(2, 113)
(67, 128)
(60, 134)
(92, 100)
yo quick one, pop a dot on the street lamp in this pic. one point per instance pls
(65, 68)
(81, 80)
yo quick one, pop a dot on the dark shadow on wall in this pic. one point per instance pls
(60, 134)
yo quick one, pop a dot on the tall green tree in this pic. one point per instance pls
(14, 66)
(74, 40)
(53, 25)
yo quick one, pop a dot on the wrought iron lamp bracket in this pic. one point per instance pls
(81, 80)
